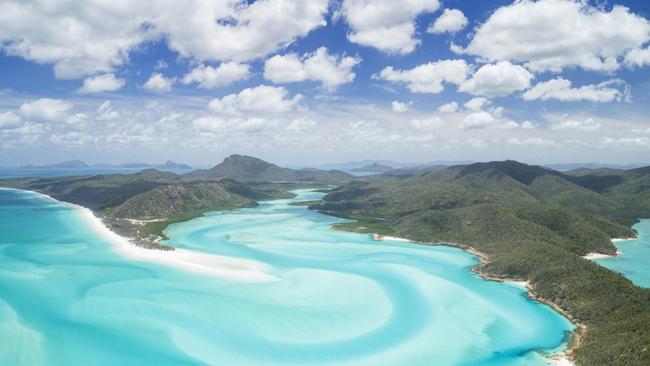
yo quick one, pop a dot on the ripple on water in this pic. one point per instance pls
(341, 298)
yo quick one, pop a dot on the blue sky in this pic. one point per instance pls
(311, 82)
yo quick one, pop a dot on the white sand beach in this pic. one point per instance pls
(391, 238)
(563, 361)
(192, 261)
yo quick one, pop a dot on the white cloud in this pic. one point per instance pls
(555, 34)
(386, 25)
(9, 119)
(46, 110)
(236, 30)
(527, 125)
(477, 103)
(301, 124)
(432, 123)
(161, 64)
(84, 38)
(626, 142)
(477, 120)
(263, 98)
(497, 80)
(560, 89)
(330, 70)
(588, 124)
(400, 107)
(226, 126)
(450, 107)
(428, 78)
(105, 112)
(209, 77)
(451, 20)
(101, 83)
(158, 83)
(481, 119)
(638, 57)
(530, 141)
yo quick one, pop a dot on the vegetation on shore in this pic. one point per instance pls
(532, 224)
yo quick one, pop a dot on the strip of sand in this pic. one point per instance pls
(192, 261)
(188, 260)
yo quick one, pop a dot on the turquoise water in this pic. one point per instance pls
(339, 299)
(634, 262)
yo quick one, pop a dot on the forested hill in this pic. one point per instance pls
(534, 224)
(250, 169)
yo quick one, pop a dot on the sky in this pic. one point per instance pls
(308, 82)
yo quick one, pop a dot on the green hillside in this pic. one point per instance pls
(533, 224)
(249, 169)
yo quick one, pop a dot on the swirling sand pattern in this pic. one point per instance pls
(338, 299)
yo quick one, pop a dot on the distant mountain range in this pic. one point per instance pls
(352, 165)
(373, 168)
(78, 164)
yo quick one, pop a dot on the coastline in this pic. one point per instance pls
(596, 256)
(563, 358)
(187, 260)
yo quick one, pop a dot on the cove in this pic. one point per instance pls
(634, 261)
(334, 298)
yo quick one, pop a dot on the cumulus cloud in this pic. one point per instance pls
(386, 25)
(450, 107)
(555, 34)
(330, 70)
(208, 77)
(428, 78)
(477, 103)
(638, 57)
(263, 98)
(497, 80)
(46, 110)
(158, 83)
(481, 119)
(560, 89)
(588, 124)
(451, 21)
(101, 83)
(400, 107)
(9, 119)
(84, 38)
(105, 112)
(423, 124)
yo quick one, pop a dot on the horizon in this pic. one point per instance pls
(338, 81)
(332, 165)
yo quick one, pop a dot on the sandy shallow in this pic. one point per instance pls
(210, 264)
(558, 360)
(188, 260)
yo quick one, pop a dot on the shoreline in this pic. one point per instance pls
(597, 256)
(563, 358)
(187, 260)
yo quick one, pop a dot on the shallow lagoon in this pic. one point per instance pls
(338, 298)
(634, 261)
